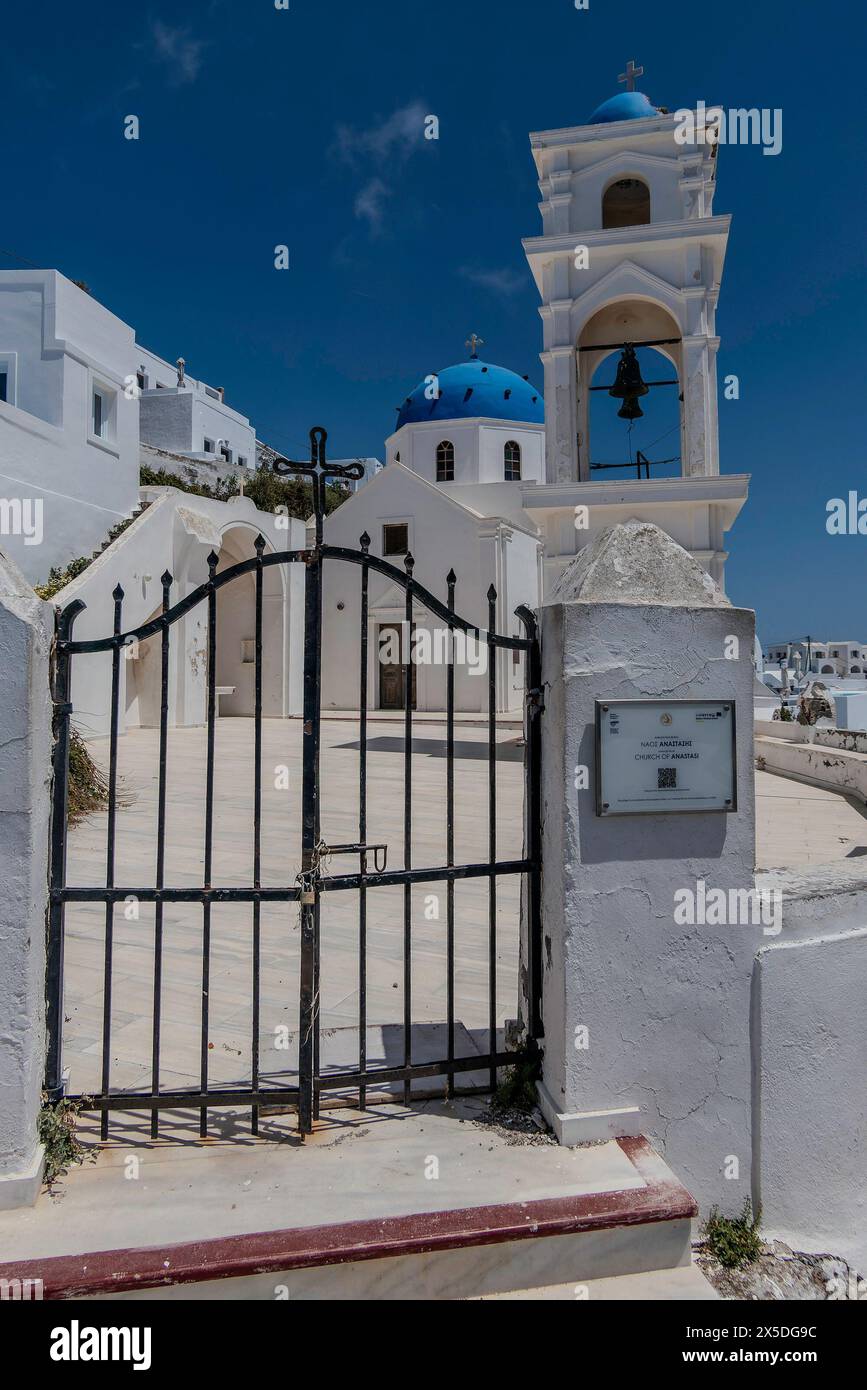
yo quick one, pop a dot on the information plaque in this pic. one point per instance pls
(665, 755)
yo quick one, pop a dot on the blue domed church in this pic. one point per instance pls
(502, 478)
(468, 438)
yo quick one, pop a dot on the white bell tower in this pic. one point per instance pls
(631, 252)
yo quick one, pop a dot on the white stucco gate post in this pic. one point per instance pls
(647, 1020)
(26, 627)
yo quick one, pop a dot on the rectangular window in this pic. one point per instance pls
(226, 452)
(395, 538)
(99, 420)
(209, 446)
(242, 462)
(4, 378)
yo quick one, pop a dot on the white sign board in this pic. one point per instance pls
(665, 755)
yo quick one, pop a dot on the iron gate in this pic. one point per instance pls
(312, 881)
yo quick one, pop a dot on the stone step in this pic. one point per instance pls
(433, 1202)
(684, 1283)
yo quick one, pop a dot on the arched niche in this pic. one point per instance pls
(236, 629)
(625, 202)
(633, 320)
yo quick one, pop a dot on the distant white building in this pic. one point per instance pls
(186, 416)
(816, 657)
(78, 399)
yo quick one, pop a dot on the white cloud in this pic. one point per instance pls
(500, 280)
(370, 204)
(375, 153)
(393, 139)
(181, 54)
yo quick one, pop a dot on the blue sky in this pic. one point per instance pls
(301, 127)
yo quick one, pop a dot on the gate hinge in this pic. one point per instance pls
(536, 700)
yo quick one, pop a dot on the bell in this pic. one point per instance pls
(628, 385)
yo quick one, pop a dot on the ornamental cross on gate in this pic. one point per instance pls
(318, 470)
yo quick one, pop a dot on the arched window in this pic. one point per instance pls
(445, 461)
(512, 462)
(626, 203)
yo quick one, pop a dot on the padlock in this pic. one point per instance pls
(308, 897)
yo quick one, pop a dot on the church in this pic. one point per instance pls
(500, 481)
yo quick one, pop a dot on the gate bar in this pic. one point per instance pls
(407, 832)
(59, 811)
(387, 879)
(166, 582)
(492, 837)
(533, 819)
(364, 542)
(209, 833)
(309, 840)
(257, 835)
(109, 859)
(451, 581)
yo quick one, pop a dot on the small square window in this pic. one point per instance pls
(209, 446)
(395, 538)
(242, 462)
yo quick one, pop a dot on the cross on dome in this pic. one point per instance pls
(630, 75)
(474, 343)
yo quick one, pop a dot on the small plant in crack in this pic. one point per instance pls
(56, 1128)
(733, 1240)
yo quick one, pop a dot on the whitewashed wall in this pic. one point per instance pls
(66, 343)
(809, 1036)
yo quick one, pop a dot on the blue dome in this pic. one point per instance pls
(626, 106)
(475, 388)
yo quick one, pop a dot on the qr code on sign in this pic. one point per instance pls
(666, 777)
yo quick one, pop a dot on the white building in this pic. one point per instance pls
(814, 656)
(78, 398)
(631, 251)
(175, 535)
(185, 416)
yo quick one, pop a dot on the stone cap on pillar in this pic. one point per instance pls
(637, 562)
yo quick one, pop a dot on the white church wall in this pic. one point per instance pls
(176, 533)
(478, 445)
(441, 536)
(493, 439)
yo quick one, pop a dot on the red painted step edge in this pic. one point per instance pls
(266, 1252)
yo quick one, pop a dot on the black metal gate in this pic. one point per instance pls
(311, 882)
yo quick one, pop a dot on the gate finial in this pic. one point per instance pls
(318, 470)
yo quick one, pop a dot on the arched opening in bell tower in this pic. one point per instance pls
(626, 203)
(624, 436)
